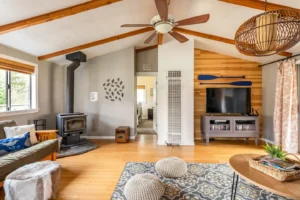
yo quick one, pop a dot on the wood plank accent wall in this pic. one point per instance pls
(217, 64)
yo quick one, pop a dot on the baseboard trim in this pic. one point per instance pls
(105, 137)
(268, 141)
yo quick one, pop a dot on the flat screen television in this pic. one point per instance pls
(228, 100)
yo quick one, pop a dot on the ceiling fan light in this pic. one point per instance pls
(164, 27)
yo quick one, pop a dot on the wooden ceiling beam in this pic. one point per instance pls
(204, 35)
(95, 43)
(216, 38)
(257, 4)
(55, 15)
(285, 54)
(146, 48)
(160, 39)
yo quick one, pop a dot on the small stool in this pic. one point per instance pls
(122, 134)
(171, 167)
(40, 123)
(38, 180)
(144, 187)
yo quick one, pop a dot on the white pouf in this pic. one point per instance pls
(172, 167)
(36, 181)
(144, 187)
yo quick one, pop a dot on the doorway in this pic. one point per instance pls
(146, 105)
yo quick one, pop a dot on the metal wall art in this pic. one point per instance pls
(114, 89)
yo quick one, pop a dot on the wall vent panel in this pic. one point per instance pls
(174, 107)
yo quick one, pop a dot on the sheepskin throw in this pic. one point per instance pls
(144, 186)
(172, 167)
(36, 181)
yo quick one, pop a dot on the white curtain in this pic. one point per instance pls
(298, 92)
(286, 107)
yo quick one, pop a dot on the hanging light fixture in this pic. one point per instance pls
(269, 33)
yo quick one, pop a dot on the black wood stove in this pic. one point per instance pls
(71, 124)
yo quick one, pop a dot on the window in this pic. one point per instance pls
(141, 94)
(2, 90)
(18, 86)
(15, 91)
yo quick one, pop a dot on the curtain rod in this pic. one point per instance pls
(279, 60)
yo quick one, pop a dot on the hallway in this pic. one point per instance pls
(146, 128)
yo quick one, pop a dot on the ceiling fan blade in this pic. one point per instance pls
(178, 36)
(194, 20)
(162, 8)
(150, 38)
(136, 25)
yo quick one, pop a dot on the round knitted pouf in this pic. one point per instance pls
(172, 167)
(144, 186)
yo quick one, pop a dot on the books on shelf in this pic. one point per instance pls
(245, 127)
(226, 127)
(219, 127)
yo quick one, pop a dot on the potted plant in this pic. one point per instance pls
(277, 164)
(275, 152)
(277, 158)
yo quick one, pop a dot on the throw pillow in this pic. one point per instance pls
(16, 143)
(20, 130)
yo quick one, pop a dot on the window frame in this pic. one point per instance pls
(33, 90)
(145, 93)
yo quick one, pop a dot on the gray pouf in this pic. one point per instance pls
(172, 167)
(144, 187)
(38, 181)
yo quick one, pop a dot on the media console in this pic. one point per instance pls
(229, 127)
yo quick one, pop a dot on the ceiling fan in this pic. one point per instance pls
(164, 23)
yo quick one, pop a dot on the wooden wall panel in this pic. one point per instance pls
(221, 65)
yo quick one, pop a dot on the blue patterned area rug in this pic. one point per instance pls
(203, 181)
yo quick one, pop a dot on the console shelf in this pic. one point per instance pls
(229, 126)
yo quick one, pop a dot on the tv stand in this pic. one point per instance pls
(229, 126)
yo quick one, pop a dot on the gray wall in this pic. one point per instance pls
(149, 57)
(50, 89)
(269, 74)
(58, 81)
(105, 115)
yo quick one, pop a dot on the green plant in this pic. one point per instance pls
(275, 152)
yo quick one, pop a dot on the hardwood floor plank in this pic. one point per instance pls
(94, 175)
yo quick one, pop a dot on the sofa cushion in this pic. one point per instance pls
(12, 161)
(16, 143)
(6, 123)
(20, 130)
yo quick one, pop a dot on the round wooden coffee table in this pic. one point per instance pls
(240, 165)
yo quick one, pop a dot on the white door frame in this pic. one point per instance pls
(152, 74)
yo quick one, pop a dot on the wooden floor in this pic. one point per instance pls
(94, 175)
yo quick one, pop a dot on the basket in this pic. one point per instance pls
(273, 172)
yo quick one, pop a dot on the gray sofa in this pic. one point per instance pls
(44, 150)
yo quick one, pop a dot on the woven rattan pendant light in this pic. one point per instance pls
(269, 33)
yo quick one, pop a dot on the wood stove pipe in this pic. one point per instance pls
(76, 59)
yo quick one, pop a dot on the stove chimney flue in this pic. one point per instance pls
(76, 59)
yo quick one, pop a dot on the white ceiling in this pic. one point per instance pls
(105, 22)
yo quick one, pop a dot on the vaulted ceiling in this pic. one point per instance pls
(104, 22)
